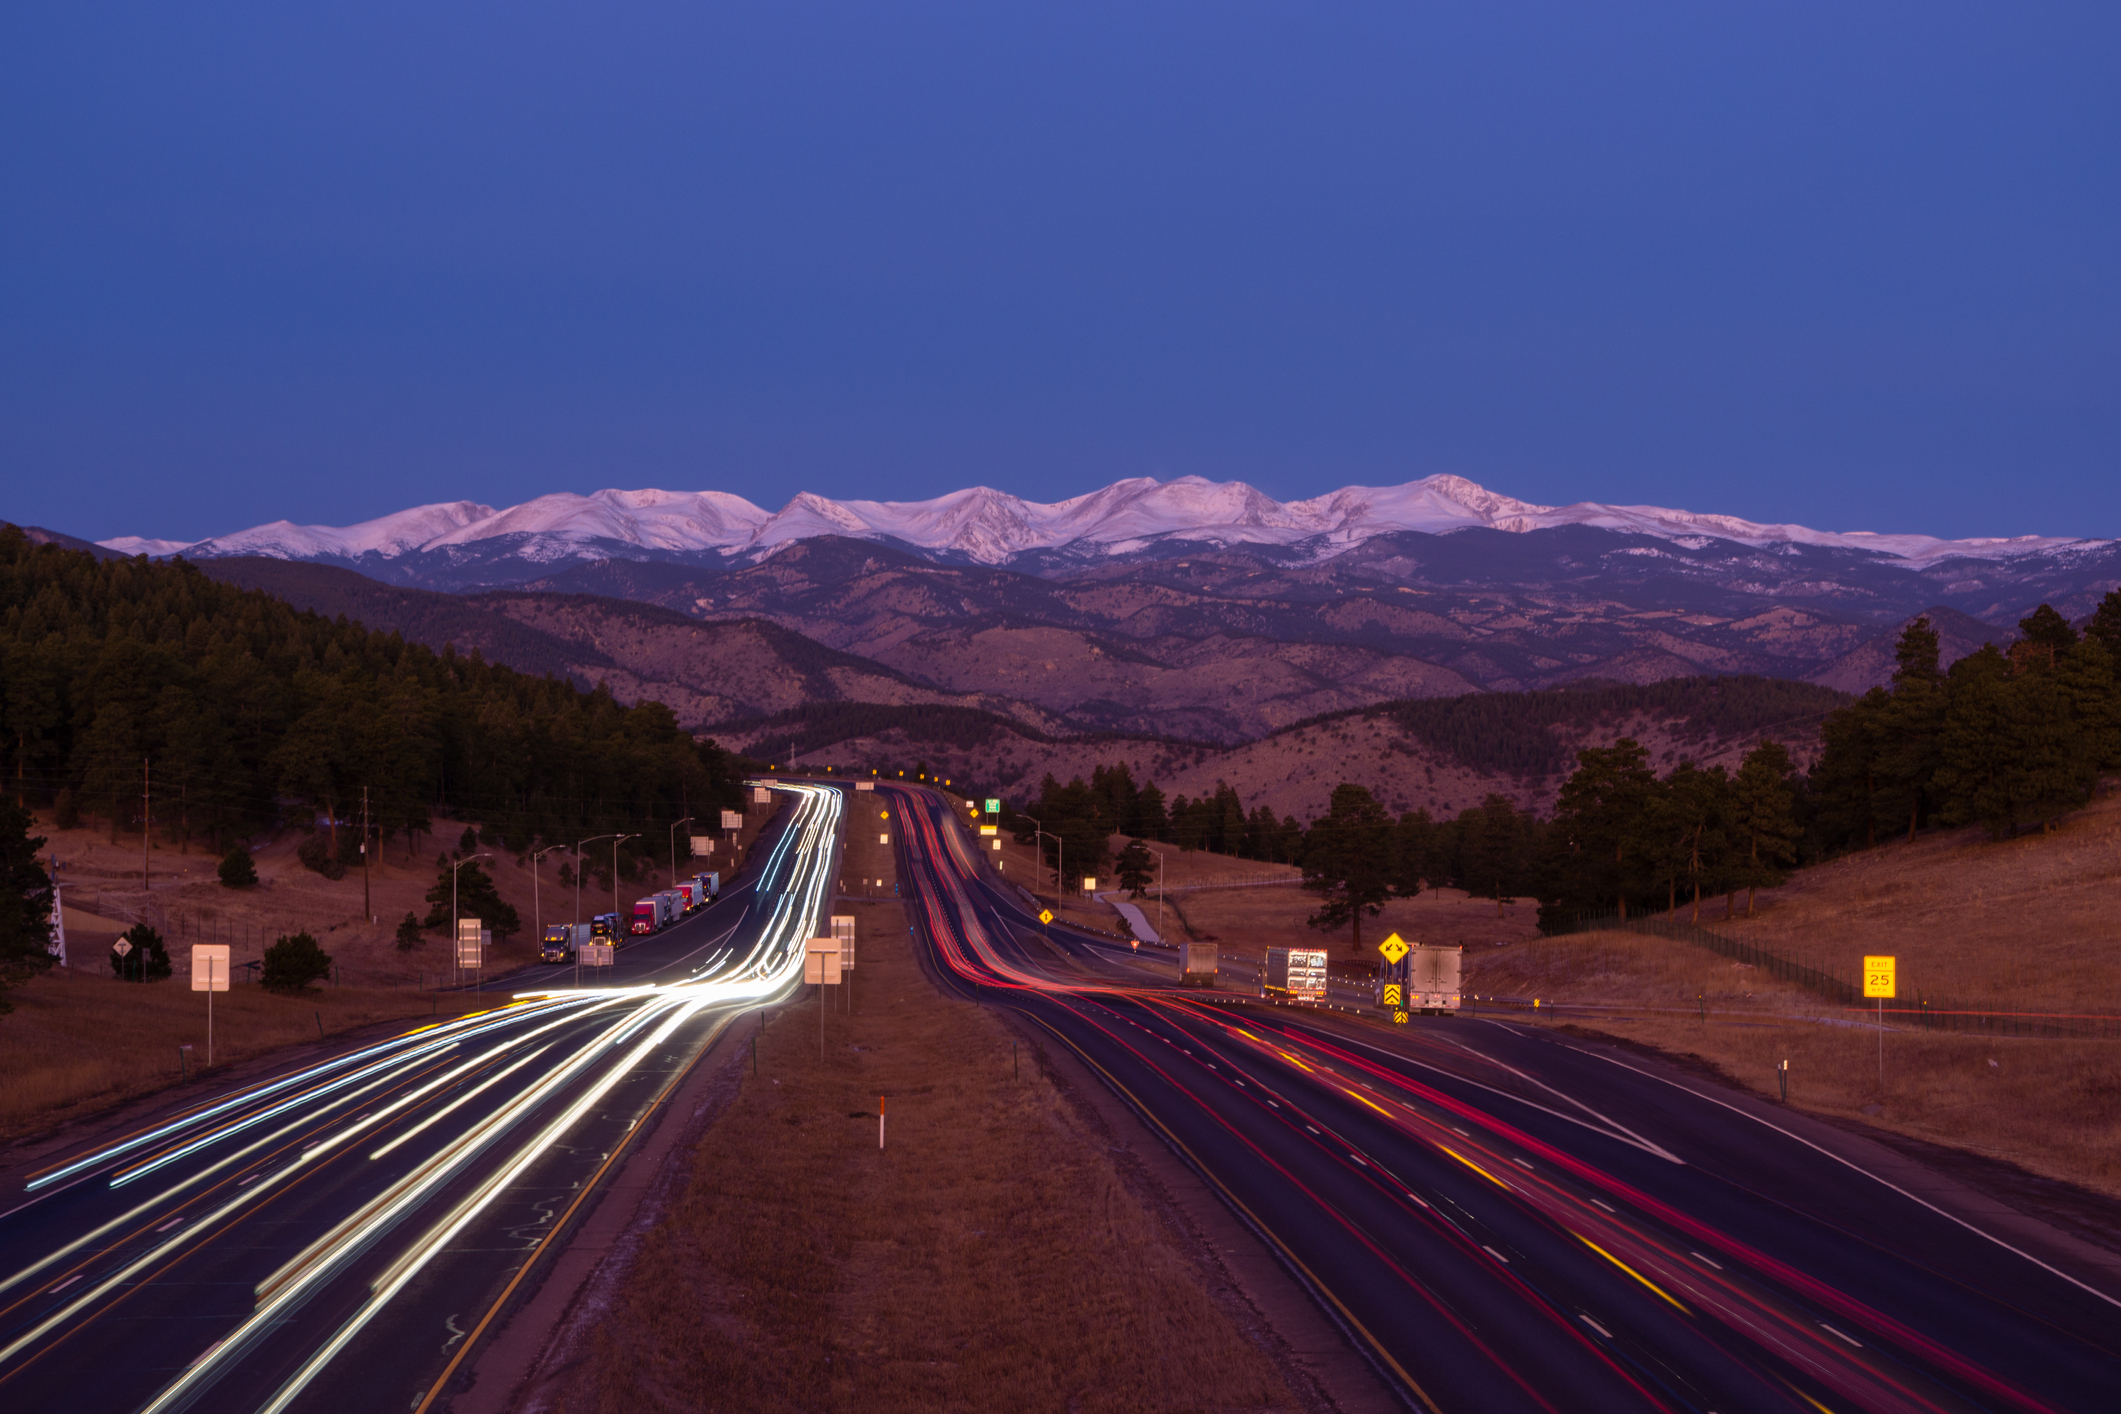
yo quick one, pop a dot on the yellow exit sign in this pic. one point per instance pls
(1880, 976)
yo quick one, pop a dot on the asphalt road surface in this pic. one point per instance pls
(337, 1238)
(1501, 1220)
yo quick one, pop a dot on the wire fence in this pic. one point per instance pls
(1823, 979)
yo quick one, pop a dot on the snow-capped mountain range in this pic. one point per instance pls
(985, 526)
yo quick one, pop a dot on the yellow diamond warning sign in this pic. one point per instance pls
(1394, 948)
(1045, 915)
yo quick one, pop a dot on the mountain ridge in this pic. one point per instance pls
(980, 525)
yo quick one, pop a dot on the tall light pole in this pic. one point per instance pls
(674, 850)
(453, 912)
(537, 913)
(1159, 892)
(616, 841)
(1038, 843)
(578, 873)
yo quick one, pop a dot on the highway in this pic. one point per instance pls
(339, 1237)
(1498, 1219)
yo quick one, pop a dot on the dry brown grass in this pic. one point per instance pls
(78, 1041)
(2025, 924)
(990, 1258)
(1249, 921)
(2048, 1106)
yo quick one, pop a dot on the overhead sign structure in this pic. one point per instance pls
(1394, 948)
(1881, 976)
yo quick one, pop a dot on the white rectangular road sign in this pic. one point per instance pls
(865, 785)
(703, 844)
(471, 938)
(732, 819)
(843, 934)
(821, 962)
(761, 796)
(209, 967)
(594, 954)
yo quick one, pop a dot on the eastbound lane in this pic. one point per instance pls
(333, 1238)
(1502, 1221)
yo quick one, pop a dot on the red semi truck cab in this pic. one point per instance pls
(644, 916)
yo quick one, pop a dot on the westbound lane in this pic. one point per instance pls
(1502, 1221)
(334, 1238)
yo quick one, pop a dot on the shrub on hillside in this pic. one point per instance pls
(408, 932)
(316, 854)
(238, 870)
(66, 814)
(148, 958)
(293, 962)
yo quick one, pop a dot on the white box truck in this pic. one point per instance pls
(1427, 979)
(1298, 974)
(1197, 964)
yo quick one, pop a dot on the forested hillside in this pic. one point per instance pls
(234, 712)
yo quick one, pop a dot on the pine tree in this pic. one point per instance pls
(1601, 820)
(25, 901)
(1136, 868)
(1348, 862)
(1764, 812)
(237, 869)
(293, 962)
(2105, 623)
(1848, 792)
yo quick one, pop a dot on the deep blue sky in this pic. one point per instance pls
(1855, 266)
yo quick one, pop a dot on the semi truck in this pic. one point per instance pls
(1427, 979)
(710, 885)
(606, 926)
(1298, 974)
(688, 893)
(647, 915)
(1197, 964)
(561, 939)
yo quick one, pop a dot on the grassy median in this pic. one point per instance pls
(989, 1258)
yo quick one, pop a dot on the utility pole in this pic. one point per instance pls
(147, 820)
(367, 907)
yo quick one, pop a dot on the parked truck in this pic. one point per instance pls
(688, 894)
(607, 926)
(1427, 979)
(1197, 963)
(1298, 974)
(710, 885)
(561, 939)
(672, 904)
(647, 915)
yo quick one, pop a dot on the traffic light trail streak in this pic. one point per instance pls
(304, 1243)
(1498, 1221)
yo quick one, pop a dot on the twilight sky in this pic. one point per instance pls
(1856, 266)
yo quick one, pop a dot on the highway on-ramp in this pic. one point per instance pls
(338, 1237)
(1499, 1219)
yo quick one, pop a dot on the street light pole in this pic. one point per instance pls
(1038, 844)
(616, 841)
(578, 874)
(674, 850)
(537, 912)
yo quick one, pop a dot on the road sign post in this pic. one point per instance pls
(209, 974)
(471, 952)
(821, 967)
(1881, 979)
(122, 948)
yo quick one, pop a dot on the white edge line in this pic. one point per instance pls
(1851, 1164)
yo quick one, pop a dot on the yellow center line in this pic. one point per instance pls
(1630, 1271)
(1475, 1167)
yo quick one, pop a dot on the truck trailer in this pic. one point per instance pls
(1298, 974)
(561, 939)
(1197, 964)
(1427, 979)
